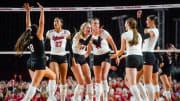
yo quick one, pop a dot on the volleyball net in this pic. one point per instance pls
(13, 22)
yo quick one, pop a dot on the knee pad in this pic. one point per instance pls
(63, 89)
(78, 89)
(156, 88)
(167, 94)
(98, 89)
(90, 89)
(105, 86)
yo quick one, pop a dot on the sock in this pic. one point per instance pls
(142, 90)
(63, 92)
(156, 90)
(77, 92)
(90, 91)
(150, 91)
(98, 90)
(30, 93)
(105, 90)
(134, 90)
(52, 87)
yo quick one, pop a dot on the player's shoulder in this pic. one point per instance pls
(66, 31)
(51, 30)
(105, 31)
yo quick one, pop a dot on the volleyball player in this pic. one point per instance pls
(150, 37)
(132, 42)
(156, 65)
(140, 73)
(58, 58)
(165, 76)
(33, 36)
(81, 43)
(101, 40)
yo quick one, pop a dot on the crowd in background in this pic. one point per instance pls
(14, 90)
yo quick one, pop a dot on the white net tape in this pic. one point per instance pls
(48, 52)
(112, 8)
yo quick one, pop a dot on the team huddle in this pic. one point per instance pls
(91, 38)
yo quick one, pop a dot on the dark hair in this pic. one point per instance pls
(93, 19)
(170, 45)
(59, 19)
(155, 18)
(25, 39)
(132, 24)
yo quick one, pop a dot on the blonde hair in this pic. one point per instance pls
(81, 33)
(132, 24)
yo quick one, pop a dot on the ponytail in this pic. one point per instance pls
(132, 24)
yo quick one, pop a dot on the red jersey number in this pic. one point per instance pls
(98, 47)
(59, 44)
(82, 47)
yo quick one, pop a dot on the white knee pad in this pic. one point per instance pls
(168, 94)
(156, 88)
(63, 90)
(98, 89)
(78, 89)
(105, 86)
(90, 89)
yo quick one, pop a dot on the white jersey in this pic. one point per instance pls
(135, 49)
(149, 44)
(77, 47)
(104, 47)
(58, 41)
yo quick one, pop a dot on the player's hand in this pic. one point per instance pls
(114, 56)
(139, 13)
(86, 55)
(145, 31)
(160, 71)
(113, 68)
(40, 6)
(27, 7)
(117, 61)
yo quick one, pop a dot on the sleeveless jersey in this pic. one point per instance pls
(37, 47)
(77, 47)
(58, 41)
(149, 44)
(104, 47)
(135, 49)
